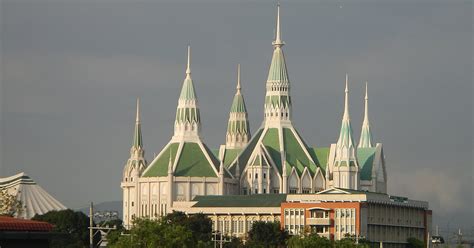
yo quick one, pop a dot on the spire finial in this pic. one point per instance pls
(188, 66)
(138, 111)
(238, 77)
(366, 112)
(346, 101)
(278, 42)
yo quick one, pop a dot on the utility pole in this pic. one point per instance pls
(91, 224)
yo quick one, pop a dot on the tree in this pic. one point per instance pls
(199, 225)
(72, 226)
(267, 234)
(154, 233)
(9, 204)
(414, 243)
(312, 240)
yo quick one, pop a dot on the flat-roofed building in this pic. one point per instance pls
(378, 217)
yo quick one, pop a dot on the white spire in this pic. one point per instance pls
(366, 112)
(365, 134)
(138, 111)
(238, 78)
(346, 101)
(188, 66)
(278, 41)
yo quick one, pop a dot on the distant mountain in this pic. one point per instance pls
(105, 206)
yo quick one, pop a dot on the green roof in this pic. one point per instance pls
(187, 92)
(159, 166)
(230, 155)
(238, 104)
(193, 163)
(365, 157)
(272, 143)
(320, 156)
(295, 154)
(245, 155)
(260, 200)
(278, 71)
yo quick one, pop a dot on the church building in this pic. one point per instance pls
(274, 159)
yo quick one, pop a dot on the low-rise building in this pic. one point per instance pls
(333, 213)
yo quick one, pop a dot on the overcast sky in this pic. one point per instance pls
(71, 71)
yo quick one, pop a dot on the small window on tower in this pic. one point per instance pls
(264, 175)
(256, 175)
(132, 204)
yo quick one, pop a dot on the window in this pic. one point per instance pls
(132, 204)
(256, 191)
(264, 191)
(264, 175)
(256, 175)
(293, 191)
(276, 191)
(306, 191)
(244, 191)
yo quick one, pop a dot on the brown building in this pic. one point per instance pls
(377, 217)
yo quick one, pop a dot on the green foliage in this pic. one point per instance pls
(174, 230)
(414, 243)
(9, 204)
(73, 228)
(266, 235)
(312, 240)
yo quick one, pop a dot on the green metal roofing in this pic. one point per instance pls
(187, 92)
(238, 104)
(272, 143)
(320, 155)
(245, 155)
(230, 155)
(345, 136)
(278, 72)
(366, 160)
(159, 166)
(260, 200)
(365, 137)
(137, 136)
(193, 163)
(295, 154)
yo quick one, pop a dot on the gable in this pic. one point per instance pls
(192, 162)
(159, 166)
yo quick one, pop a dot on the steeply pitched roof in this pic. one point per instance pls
(272, 143)
(261, 200)
(230, 155)
(159, 166)
(193, 162)
(366, 160)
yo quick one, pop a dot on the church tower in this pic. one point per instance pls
(276, 160)
(238, 131)
(136, 164)
(365, 134)
(346, 167)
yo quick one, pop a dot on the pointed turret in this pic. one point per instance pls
(187, 122)
(346, 168)
(365, 134)
(277, 98)
(345, 143)
(137, 137)
(137, 151)
(238, 131)
(133, 169)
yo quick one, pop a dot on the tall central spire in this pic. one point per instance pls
(365, 135)
(277, 98)
(278, 41)
(137, 135)
(187, 123)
